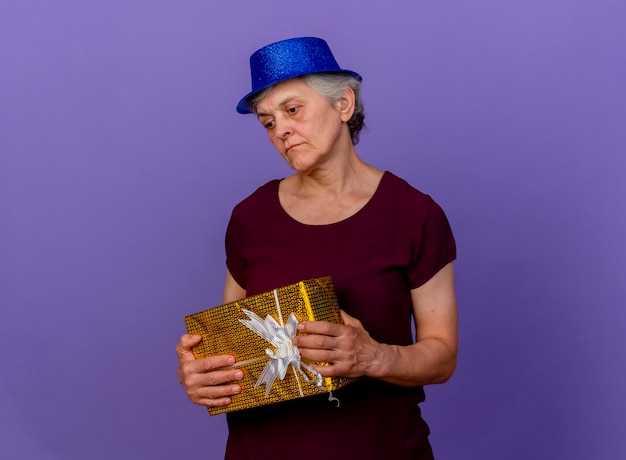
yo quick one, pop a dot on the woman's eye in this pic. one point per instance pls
(269, 125)
(292, 109)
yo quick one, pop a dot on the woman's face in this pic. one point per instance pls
(305, 129)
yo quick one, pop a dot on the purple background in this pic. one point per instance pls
(121, 156)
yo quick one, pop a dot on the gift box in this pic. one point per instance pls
(257, 331)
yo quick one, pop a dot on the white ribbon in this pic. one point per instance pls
(285, 353)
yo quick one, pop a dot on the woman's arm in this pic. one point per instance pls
(351, 351)
(203, 379)
(232, 290)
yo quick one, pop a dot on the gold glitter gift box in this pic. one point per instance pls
(257, 331)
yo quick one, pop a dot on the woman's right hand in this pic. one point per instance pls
(206, 380)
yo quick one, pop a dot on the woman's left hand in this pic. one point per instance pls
(351, 351)
(348, 347)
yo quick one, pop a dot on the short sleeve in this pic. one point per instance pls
(235, 260)
(433, 245)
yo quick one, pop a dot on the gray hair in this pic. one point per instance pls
(331, 86)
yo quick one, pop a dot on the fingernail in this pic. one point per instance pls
(236, 389)
(230, 360)
(238, 375)
(301, 327)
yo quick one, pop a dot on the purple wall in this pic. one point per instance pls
(121, 156)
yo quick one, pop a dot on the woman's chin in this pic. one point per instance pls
(300, 166)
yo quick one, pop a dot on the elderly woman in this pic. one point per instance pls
(388, 248)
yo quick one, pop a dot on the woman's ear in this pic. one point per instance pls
(345, 105)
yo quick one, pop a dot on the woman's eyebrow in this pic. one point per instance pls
(286, 100)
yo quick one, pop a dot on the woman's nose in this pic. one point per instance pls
(283, 128)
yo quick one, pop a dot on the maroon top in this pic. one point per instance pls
(395, 243)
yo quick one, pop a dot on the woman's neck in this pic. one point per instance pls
(346, 173)
(329, 195)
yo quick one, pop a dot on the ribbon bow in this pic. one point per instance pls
(285, 353)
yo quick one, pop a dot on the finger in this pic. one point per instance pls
(328, 370)
(315, 341)
(186, 343)
(349, 320)
(207, 402)
(217, 362)
(215, 396)
(320, 327)
(219, 391)
(317, 355)
(197, 374)
(206, 365)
